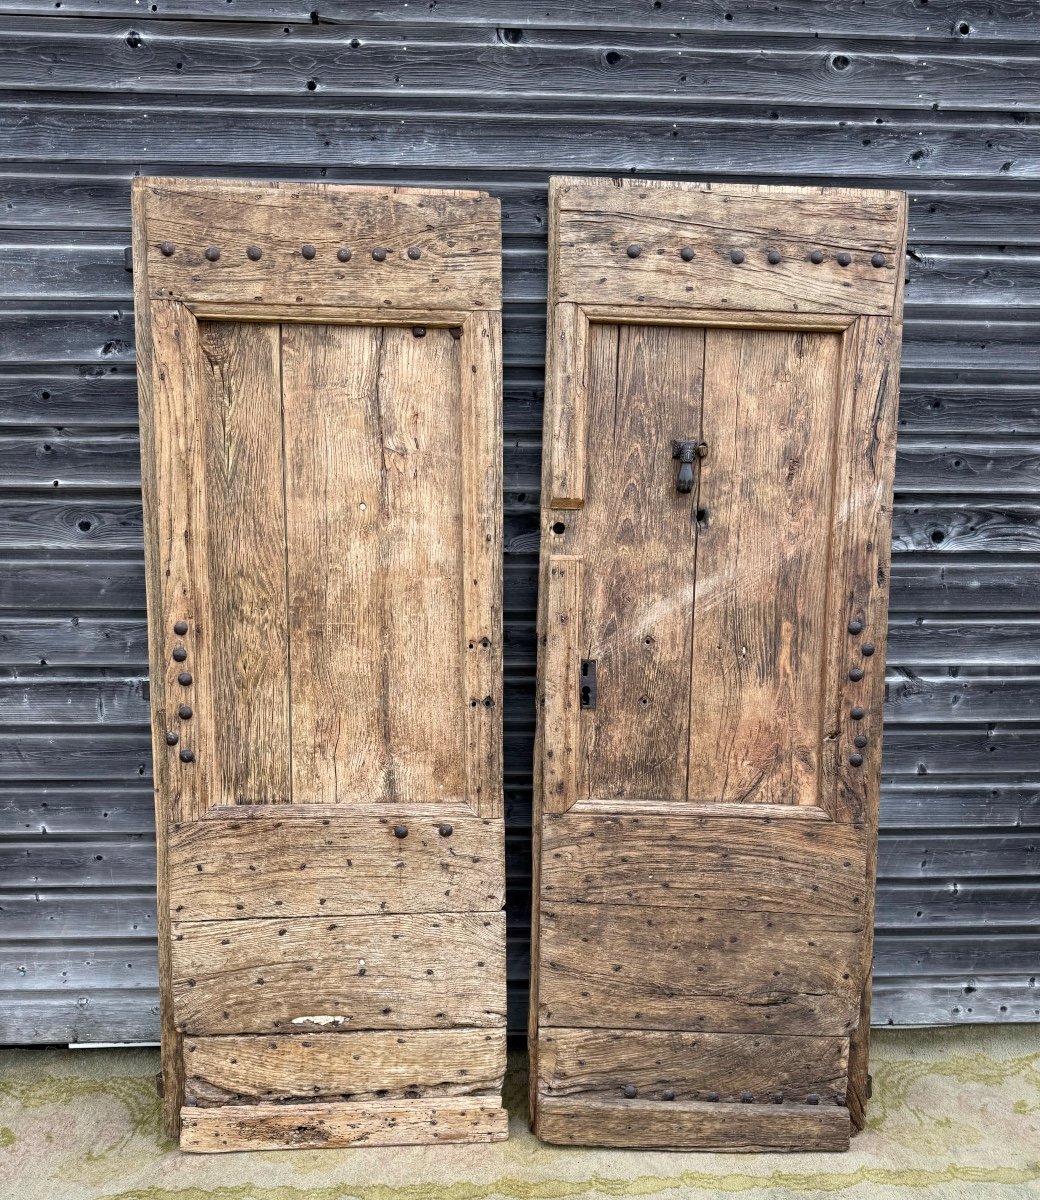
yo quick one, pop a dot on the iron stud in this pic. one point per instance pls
(167, 249)
(418, 331)
(686, 254)
(855, 625)
(856, 674)
(860, 740)
(185, 712)
(868, 648)
(379, 254)
(180, 627)
(629, 1092)
(843, 259)
(254, 253)
(773, 257)
(187, 756)
(816, 257)
(736, 256)
(711, 1097)
(172, 738)
(184, 678)
(668, 1094)
(812, 1098)
(213, 253)
(746, 1098)
(179, 654)
(858, 713)
(634, 250)
(414, 253)
(308, 251)
(877, 260)
(778, 1097)
(856, 760)
(400, 831)
(445, 829)
(343, 254)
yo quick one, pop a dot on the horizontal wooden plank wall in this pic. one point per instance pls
(937, 98)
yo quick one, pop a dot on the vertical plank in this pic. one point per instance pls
(480, 378)
(245, 556)
(421, 555)
(565, 402)
(559, 789)
(637, 535)
(766, 511)
(334, 529)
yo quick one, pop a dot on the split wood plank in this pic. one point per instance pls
(308, 974)
(560, 682)
(292, 865)
(356, 1066)
(338, 1126)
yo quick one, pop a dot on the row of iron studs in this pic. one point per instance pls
(255, 253)
(857, 713)
(630, 1092)
(185, 711)
(687, 254)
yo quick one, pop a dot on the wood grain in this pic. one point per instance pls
(560, 682)
(651, 1125)
(600, 1063)
(316, 1126)
(311, 974)
(613, 966)
(254, 865)
(367, 1065)
(673, 860)
(765, 517)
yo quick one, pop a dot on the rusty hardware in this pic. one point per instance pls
(629, 1092)
(185, 712)
(634, 250)
(856, 674)
(686, 254)
(746, 1098)
(180, 627)
(414, 253)
(187, 756)
(445, 829)
(379, 253)
(860, 740)
(308, 251)
(179, 654)
(778, 1097)
(736, 256)
(816, 257)
(343, 254)
(843, 259)
(855, 625)
(712, 1097)
(172, 738)
(877, 260)
(167, 249)
(856, 760)
(868, 648)
(587, 693)
(773, 256)
(418, 331)
(668, 1094)
(184, 678)
(685, 452)
(213, 253)
(400, 831)
(858, 713)
(254, 253)
(812, 1098)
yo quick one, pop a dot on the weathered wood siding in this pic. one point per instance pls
(932, 97)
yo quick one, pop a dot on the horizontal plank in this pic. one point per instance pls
(73, 702)
(358, 1065)
(613, 966)
(87, 1015)
(651, 1125)
(970, 904)
(703, 862)
(934, 804)
(346, 863)
(48, 863)
(960, 694)
(83, 582)
(932, 854)
(602, 1062)
(56, 811)
(417, 971)
(231, 1127)
(53, 131)
(956, 999)
(109, 913)
(42, 966)
(935, 953)
(61, 398)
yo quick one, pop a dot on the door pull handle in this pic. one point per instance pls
(686, 452)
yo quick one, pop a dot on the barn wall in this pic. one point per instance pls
(931, 97)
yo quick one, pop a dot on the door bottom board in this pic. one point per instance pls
(691, 1125)
(231, 1127)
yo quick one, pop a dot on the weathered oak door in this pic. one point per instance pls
(320, 406)
(719, 439)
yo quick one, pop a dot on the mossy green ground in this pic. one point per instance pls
(956, 1113)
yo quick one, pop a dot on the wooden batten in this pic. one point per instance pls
(719, 451)
(320, 392)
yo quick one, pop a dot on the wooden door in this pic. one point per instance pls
(719, 437)
(321, 444)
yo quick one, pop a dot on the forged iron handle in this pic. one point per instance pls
(686, 452)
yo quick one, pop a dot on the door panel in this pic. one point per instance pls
(719, 443)
(322, 471)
